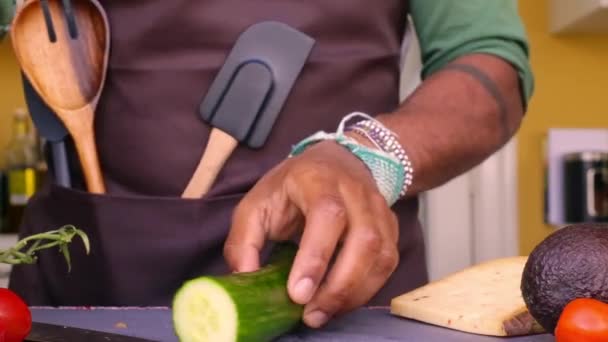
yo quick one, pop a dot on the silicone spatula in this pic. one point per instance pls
(51, 128)
(248, 94)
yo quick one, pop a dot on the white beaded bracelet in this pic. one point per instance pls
(387, 141)
(387, 169)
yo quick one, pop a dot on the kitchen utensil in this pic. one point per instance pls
(69, 73)
(586, 186)
(69, 16)
(247, 95)
(43, 332)
(483, 299)
(49, 126)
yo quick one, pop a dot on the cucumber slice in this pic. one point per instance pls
(239, 307)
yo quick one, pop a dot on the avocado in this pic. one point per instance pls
(570, 263)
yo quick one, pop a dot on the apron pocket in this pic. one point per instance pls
(142, 248)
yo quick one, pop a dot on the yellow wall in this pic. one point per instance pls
(571, 82)
(11, 94)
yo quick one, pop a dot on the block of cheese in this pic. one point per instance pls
(484, 299)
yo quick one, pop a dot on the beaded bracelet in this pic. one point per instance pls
(387, 141)
(387, 169)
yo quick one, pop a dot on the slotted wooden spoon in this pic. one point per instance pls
(68, 73)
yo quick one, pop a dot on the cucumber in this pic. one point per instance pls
(239, 307)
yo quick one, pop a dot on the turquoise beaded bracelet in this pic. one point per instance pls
(387, 170)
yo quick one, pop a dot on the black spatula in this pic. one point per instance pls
(49, 126)
(247, 95)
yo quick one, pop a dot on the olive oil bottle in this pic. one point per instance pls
(23, 172)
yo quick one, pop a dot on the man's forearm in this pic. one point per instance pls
(457, 118)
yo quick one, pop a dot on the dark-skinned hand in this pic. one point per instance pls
(327, 195)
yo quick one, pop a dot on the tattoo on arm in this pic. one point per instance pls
(490, 86)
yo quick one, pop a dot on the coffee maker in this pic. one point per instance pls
(585, 184)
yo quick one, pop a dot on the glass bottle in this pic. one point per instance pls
(21, 162)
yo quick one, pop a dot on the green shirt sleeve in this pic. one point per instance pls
(448, 29)
(7, 9)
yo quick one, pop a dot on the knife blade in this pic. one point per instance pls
(43, 332)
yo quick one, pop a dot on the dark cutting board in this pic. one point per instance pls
(361, 325)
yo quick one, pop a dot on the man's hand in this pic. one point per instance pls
(327, 195)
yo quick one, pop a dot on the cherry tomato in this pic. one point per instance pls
(583, 320)
(15, 316)
(2, 332)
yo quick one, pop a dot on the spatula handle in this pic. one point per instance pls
(60, 164)
(218, 150)
(87, 152)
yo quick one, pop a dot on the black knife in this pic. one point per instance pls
(43, 332)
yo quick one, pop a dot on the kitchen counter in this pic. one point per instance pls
(362, 325)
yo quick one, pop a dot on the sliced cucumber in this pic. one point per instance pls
(239, 307)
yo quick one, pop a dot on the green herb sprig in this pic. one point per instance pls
(24, 251)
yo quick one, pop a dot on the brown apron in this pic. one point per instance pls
(146, 240)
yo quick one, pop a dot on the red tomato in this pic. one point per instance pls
(15, 316)
(2, 332)
(583, 320)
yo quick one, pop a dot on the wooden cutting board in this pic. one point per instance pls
(484, 299)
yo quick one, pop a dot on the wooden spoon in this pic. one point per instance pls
(69, 73)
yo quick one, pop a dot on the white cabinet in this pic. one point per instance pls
(578, 16)
(6, 241)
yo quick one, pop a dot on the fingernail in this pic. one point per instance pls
(303, 290)
(247, 266)
(316, 319)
